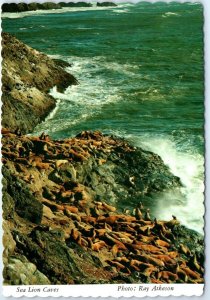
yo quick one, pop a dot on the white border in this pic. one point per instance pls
(107, 290)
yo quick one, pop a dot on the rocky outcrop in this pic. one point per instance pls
(27, 76)
(75, 4)
(20, 7)
(107, 3)
(77, 232)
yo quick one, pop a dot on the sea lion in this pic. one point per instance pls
(146, 247)
(172, 222)
(146, 238)
(116, 264)
(184, 249)
(147, 215)
(113, 241)
(89, 219)
(97, 245)
(194, 263)
(151, 260)
(190, 273)
(47, 193)
(138, 213)
(165, 258)
(71, 215)
(161, 243)
(148, 271)
(60, 162)
(168, 276)
(108, 207)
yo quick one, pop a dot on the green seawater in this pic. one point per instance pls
(141, 76)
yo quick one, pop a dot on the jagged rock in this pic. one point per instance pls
(8, 242)
(20, 271)
(22, 200)
(61, 263)
(27, 76)
(79, 233)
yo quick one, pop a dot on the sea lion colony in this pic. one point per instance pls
(124, 242)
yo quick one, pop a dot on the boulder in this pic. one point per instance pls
(20, 271)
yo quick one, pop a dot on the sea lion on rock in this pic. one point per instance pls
(97, 245)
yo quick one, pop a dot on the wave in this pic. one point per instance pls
(168, 14)
(188, 203)
(56, 11)
(82, 105)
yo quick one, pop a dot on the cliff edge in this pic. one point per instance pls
(27, 76)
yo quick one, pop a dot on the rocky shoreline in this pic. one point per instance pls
(22, 7)
(60, 220)
(62, 199)
(27, 76)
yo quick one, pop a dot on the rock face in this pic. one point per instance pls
(27, 76)
(62, 200)
(63, 223)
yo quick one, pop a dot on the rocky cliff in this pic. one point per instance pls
(27, 76)
(62, 199)
(62, 222)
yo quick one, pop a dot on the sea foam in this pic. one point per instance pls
(189, 166)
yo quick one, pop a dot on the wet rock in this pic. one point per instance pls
(61, 63)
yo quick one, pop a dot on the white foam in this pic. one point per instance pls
(189, 205)
(54, 11)
(168, 14)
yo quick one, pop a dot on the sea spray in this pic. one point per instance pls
(189, 167)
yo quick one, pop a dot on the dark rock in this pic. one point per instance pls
(20, 7)
(112, 182)
(9, 7)
(106, 3)
(25, 204)
(61, 264)
(50, 5)
(75, 4)
(192, 239)
(34, 6)
(61, 63)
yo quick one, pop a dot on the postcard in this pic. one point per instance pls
(103, 148)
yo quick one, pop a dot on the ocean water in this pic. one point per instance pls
(141, 76)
